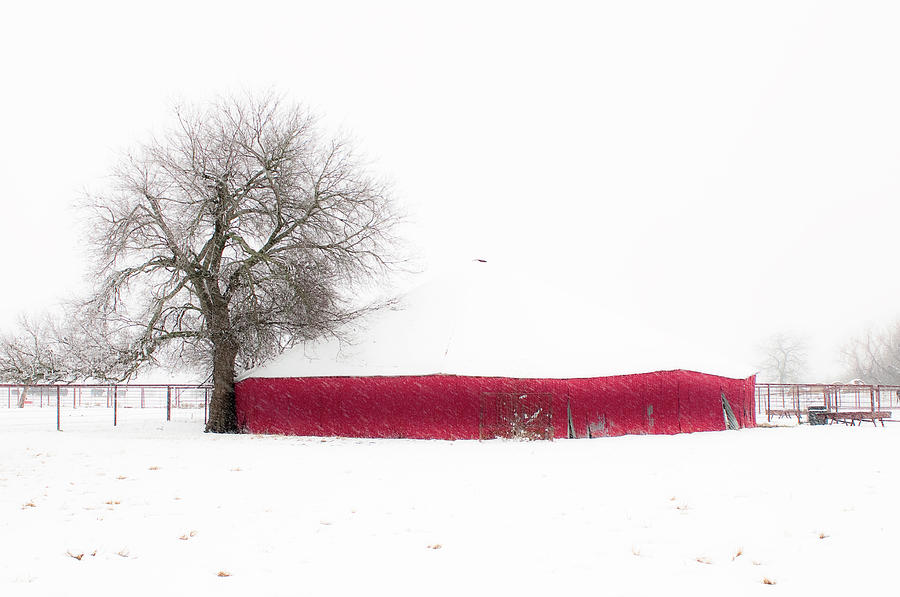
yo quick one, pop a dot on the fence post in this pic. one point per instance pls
(205, 403)
(168, 403)
(115, 404)
(142, 397)
(57, 408)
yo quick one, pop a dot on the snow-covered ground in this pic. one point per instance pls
(160, 508)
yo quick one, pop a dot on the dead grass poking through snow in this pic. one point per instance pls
(153, 468)
(635, 550)
(435, 546)
(79, 556)
(28, 505)
(704, 560)
(768, 581)
(187, 536)
(223, 573)
(737, 554)
(823, 536)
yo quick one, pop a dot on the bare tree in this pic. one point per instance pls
(52, 350)
(28, 357)
(874, 356)
(785, 359)
(237, 234)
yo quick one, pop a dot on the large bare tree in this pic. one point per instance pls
(236, 234)
(874, 356)
(784, 358)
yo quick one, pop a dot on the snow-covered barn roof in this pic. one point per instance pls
(486, 320)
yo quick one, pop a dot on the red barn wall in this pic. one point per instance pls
(450, 407)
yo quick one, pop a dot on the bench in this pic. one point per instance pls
(784, 412)
(853, 417)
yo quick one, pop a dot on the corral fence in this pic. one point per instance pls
(105, 404)
(794, 400)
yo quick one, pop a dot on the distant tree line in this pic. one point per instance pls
(872, 357)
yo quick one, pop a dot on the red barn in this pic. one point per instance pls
(486, 355)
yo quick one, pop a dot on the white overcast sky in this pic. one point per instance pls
(725, 169)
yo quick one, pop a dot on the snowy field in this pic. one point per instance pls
(155, 508)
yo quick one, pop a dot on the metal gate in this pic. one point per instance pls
(516, 415)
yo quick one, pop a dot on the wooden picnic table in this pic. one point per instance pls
(857, 416)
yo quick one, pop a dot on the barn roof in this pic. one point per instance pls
(485, 320)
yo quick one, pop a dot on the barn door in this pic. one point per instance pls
(520, 415)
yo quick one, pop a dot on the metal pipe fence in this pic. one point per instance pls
(80, 405)
(776, 400)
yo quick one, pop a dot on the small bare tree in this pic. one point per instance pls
(237, 234)
(30, 357)
(874, 356)
(784, 359)
(52, 350)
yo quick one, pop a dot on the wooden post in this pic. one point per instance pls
(168, 403)
(115, 405)
(57, 408)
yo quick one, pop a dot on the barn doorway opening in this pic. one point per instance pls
(516, 415)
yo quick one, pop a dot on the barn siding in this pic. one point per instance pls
(449, 406)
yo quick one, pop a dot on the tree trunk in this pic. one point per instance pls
(222, 409)
(20, 403)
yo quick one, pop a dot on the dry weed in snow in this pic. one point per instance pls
(703, 560)
(79, 556)
(223, 573)
(737, 554)
(768, 581)
(435, 546)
